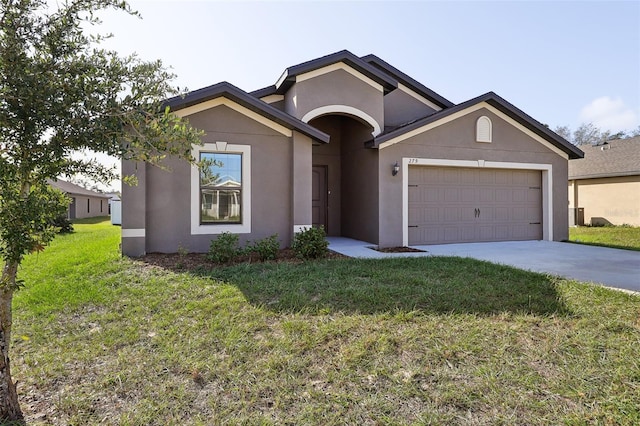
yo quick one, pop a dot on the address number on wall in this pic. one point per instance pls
(413, 161)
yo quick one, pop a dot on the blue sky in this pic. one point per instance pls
(562, 62)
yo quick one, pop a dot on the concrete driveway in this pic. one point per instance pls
(611, 267)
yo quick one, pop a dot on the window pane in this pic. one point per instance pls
(221, 188)
(221, 170)
(220, 205)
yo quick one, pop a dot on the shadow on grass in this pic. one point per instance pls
(429, 284)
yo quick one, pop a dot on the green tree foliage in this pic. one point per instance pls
(589, 134)
(60, 92)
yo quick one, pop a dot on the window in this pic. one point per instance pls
(88, 205)
(484, 129)
(221, 187)
(101, 206)
(221, 191)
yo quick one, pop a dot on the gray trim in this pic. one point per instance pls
(229, 91)
(403, 78)
(344, 56)
(497, 102)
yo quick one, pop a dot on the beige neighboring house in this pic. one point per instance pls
(357, 146)
(84, 202)
(604, 186)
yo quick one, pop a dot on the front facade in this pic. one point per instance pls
(355, 145)
(604, 186)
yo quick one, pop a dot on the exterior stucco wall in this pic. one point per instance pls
(614, 200)
(335, 88)
(167, 194)
(301, 181)
(359, 184)
(86, 206)
(401, 108)
(456, 141)
(134, 213)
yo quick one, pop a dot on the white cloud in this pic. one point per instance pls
(609, 113)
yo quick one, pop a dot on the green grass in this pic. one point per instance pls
(100, 339)
(624, 237)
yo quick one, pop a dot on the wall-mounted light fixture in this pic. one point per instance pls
(395, 169)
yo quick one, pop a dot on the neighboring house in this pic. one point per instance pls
(604, 186)
(84, 202)
(357, 146)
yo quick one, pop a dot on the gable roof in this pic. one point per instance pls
(497, 102)
(231, 92)
(288, 77)
(403, 78)
(73, 189)
(613, 158)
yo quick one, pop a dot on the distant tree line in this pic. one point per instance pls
(589, 134)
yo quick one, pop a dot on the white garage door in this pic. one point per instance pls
(454, 205)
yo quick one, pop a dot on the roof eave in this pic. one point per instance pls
(499, 103)
(604, 175)
(245, 99)
(288, 77)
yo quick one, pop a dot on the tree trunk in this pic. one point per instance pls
(9, 407)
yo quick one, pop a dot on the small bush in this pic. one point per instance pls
(310, 243)
(267, 248)
(224, 248)
(63, 224)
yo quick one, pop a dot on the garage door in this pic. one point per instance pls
(454, 205)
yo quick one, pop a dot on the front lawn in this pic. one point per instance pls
(103, 340)
(625, 237)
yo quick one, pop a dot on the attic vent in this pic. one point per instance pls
(483, 129)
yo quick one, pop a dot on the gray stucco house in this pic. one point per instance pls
(84, 202)
(355, 145)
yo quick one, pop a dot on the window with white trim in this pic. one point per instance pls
(484, 129)
(221, 189)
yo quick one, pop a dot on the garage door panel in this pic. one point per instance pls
(486, 233)
(451, 214)
(451, 204)
(486, 195)
(451, 195)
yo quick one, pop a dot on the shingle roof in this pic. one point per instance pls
(497, 102)
(615, 158)
(288, 78)
(72, 188)
(229, 91)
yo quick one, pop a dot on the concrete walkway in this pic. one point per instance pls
(601, 265)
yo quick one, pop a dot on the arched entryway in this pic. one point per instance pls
(345, 176)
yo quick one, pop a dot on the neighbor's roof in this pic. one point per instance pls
(231, 92)
(497, 102)
(614, 158)
(73, 189)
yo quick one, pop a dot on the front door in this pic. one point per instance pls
(319, 197)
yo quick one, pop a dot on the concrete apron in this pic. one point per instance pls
(610, 267)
